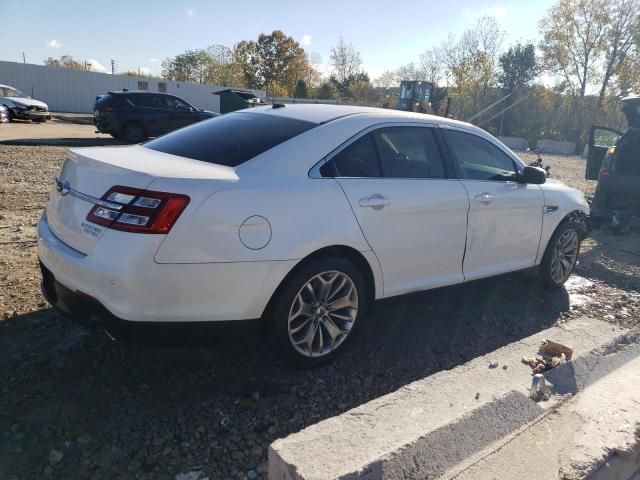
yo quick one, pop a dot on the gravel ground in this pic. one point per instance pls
(73, 404)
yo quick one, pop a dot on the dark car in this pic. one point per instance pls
(614, 160)
(135, 115)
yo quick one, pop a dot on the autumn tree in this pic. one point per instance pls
(65, 61)
(574, 33)
(326, 91)
(272, 59)
(622, 33)
(346, 65)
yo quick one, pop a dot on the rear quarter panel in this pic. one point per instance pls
(304, 215)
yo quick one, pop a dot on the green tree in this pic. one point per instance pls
(326, 91)
(301, 90)
(518, 67)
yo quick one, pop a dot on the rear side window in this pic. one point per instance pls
(358, 160)
(230, 139)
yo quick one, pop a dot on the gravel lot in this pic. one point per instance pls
(73, 404)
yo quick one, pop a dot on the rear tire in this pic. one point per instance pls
(317, 310)
(133, 132)
(561, 254)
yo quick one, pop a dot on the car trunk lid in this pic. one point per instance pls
(89, 173)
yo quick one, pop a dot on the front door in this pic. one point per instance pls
(412, 215)
(505, 217)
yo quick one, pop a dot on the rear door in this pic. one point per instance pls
(413, 215)
(600, 140)
(505, 217)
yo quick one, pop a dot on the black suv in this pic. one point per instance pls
(614, 160)
(136, 115)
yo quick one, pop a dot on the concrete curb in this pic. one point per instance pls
(438, 425)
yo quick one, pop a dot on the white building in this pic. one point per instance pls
(66, 90)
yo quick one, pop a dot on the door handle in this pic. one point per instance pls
(484, 197)
(375, 201)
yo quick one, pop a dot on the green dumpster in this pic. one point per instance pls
(232, 99)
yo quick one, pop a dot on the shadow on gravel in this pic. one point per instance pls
(614, 259)
(64, 142)
(152, 412)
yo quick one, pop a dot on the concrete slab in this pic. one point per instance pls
(595, 434)
(515, 143)
(434, 426)
(557, 147)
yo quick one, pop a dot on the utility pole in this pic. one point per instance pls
(113, 67)
(24, 59)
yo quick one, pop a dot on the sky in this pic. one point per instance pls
(140, 34)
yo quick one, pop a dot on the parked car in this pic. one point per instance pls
(22, 106)
(4, 114)
(136, 115)
(300, 215)
(614, 160)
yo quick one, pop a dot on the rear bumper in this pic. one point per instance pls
(121, 275)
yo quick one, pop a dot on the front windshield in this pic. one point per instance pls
(11, 92)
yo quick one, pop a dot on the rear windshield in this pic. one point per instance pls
(230, 139)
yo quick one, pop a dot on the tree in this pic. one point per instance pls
(360, 91)
(301, 90)
(65, 61)
(387, 79)
(326, 91)
(431, 65)
(409, 72)
(622, 31)
(519, 68)
(574, 35)
(345, 64)
(272, 59)
(190, 66)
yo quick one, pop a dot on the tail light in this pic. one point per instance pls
(141, 211)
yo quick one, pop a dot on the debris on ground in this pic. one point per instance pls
(539, 388)
(550, 355)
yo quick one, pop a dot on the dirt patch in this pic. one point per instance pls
(119, 411)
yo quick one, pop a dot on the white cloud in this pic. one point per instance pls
(54, 44)
(145, 71)
(498, 11)
(96, 66)
(190, 12)
(306, 40)
(153, 59)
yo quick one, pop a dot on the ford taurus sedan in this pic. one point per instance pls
(298, 215)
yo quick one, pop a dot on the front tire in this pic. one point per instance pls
(317, 310)
(561, 255)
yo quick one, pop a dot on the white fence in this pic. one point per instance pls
(66, 90)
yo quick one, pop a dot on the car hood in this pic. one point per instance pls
(208, 113)
(29, 102)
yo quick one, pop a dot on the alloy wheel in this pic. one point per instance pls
(323, 313)
(565, 255)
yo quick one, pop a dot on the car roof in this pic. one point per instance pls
(323, 113)
(144, 92)
(7, 86)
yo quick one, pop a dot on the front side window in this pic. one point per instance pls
(478, 159)
(230, 139)
(408, 152)
(11, 93)
(175, 103)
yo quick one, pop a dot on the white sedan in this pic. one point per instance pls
(299, 215)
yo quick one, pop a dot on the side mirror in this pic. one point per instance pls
(534, 175)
